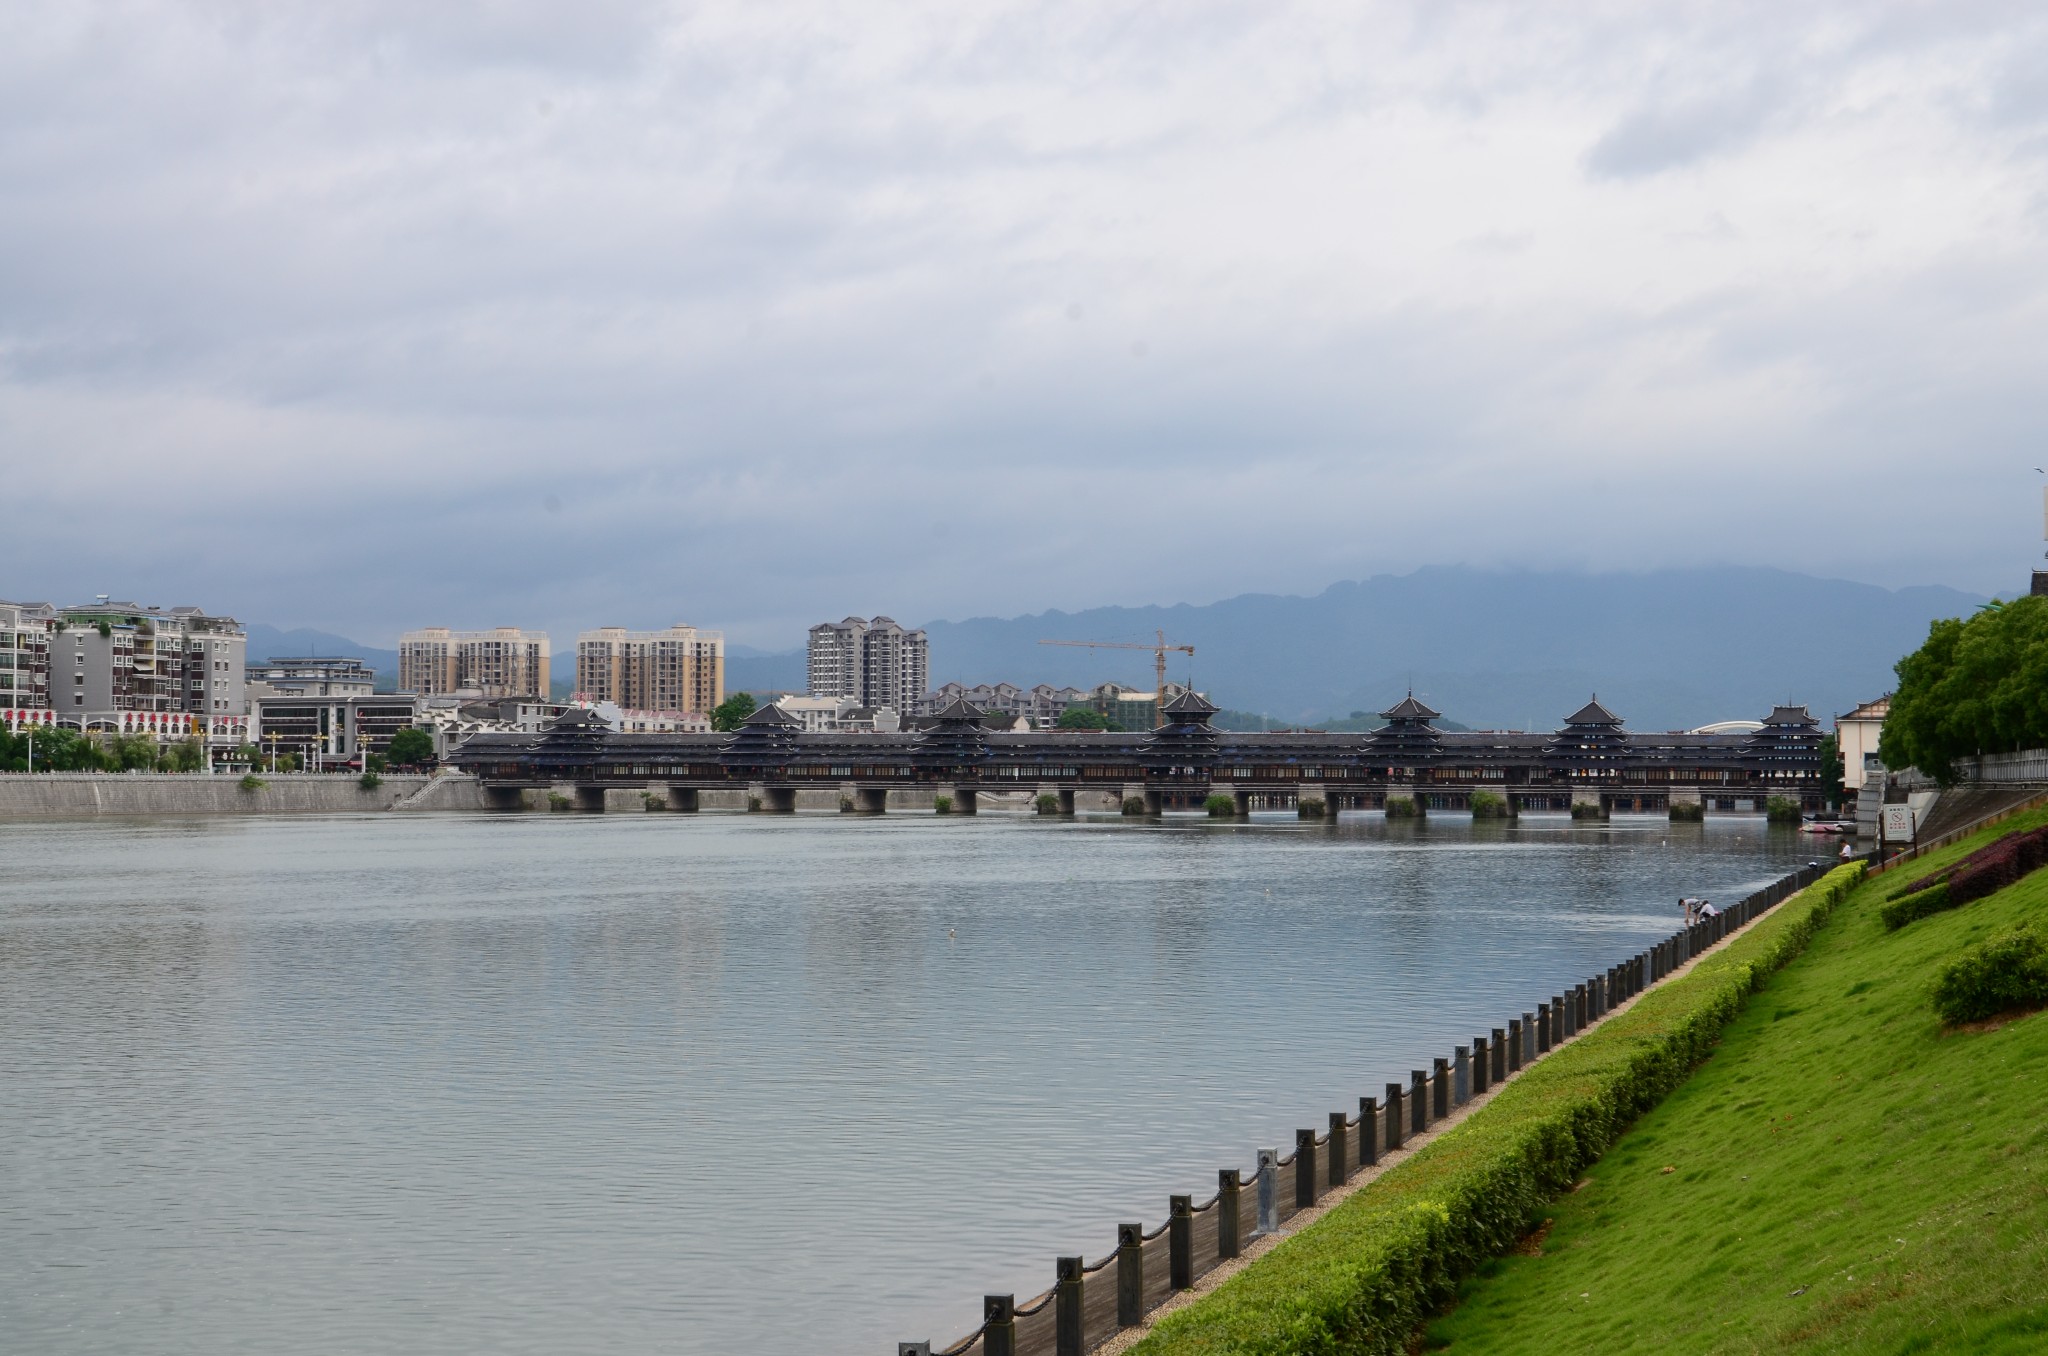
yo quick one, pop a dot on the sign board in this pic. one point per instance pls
(1898, 823)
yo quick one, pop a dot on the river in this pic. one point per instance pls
(714, 1083)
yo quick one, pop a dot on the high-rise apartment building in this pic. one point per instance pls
(24, 659)
(875, 663)
(680, 669)
(125, 668)
(505, 662)
(107, 657)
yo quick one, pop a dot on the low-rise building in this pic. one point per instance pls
(1856, 736)
(838, 715)
(1041, 705)
(330, 731)
(312, 676)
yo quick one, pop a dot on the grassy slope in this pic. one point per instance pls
(1837, 1142)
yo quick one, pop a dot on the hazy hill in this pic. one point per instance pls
(1494, 649)
(268, 642)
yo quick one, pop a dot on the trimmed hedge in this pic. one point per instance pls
(1990, 868)
(2006, 974)
(1910, 908)
(1365, 1275)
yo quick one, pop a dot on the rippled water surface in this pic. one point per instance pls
(694, 1084)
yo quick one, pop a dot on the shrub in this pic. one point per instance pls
(369, 781)
(557, 801)
(1134, 805)
(1899, 912)
(1688, 811)
(251, 782)
(1586, 810)
(1781, 810)
(2006, 974)
(1311, 807)
(2028, 846)
(1361, 1278)
(1221, 805)
(653, 800)
(1487, 805)
(1048, 804)
(942, 805)
(1403, 807)
(753, 803)
(846, 805)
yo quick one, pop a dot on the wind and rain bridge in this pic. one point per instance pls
(1591, 761)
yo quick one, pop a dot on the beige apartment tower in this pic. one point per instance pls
(680, 669)
(505, 662)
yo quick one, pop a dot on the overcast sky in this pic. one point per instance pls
(372, 315)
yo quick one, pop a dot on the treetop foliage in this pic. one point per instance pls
(728, 714)
(1978, 685)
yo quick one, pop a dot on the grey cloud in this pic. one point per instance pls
(775, 302)
(1681, 132)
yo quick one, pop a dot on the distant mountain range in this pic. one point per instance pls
(1492, 649)
(1495, 649)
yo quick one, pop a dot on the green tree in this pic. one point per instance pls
(1082, 718)
(410, 748)
(1831, 771)
(59, 749)
(728, 714)
(128, 753)
(1978, 685)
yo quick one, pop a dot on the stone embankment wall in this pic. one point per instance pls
(81, 795)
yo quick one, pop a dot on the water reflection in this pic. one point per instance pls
(695, 1084)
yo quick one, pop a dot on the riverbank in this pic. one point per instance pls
(1367, 1274)
(87, 795)
(1843, 1175)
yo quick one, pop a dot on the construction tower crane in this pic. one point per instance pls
(1160, 649)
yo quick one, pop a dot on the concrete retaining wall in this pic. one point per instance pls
(78, 795)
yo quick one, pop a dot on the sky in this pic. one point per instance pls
(367, 315)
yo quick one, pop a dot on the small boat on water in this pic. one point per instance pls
(1828, 826)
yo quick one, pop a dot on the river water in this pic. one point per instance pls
(695, 1084)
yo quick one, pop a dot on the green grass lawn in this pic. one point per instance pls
(1841, 1175)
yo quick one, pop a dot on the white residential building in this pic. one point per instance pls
(873, 663)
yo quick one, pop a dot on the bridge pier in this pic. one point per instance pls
(589, 799)
(1152, 798)
(1594, 799)
(1242, 800)
(870, 800)
(682, 799)
(775, 800)
(1312, 801)
(1063, 794)
(962, 796)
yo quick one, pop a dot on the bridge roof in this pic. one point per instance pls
(1592, 713)
(1409, 709)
